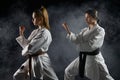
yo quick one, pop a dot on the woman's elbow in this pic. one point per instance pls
(24, 52)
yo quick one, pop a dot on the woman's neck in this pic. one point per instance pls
(40, 27)
(92, 25)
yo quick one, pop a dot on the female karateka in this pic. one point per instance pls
(35, 48)
(90, 63)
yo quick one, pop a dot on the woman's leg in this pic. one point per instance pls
(48, 71)
(104, 73)
(22, 72)
(72, 70)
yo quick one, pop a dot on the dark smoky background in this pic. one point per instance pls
(61, 51)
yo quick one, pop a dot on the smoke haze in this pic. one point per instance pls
(61, 51)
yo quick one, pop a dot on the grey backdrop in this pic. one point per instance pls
(61, 51)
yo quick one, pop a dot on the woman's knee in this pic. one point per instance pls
(15, 75)
(71, 71)
(67, 70)
(20, 73)
(20, 76)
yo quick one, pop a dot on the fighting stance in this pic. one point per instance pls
(35, 47)
(90, 62)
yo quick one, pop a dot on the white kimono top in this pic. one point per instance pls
(38, 39)
(88, 39)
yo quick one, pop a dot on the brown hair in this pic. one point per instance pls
(93, 13)
(44, 14)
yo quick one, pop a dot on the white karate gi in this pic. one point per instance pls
(89, 40)
(39, 39)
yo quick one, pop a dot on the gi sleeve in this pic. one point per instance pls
(22, 41)
(35, 44)
(76, 38)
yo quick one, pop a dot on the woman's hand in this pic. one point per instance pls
(21, 30)
(65, 26)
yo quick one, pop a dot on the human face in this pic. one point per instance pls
(89, 19)
(37, 20)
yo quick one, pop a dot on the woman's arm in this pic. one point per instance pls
(65, 26)
(75, 38)
(21, 39)
(36, 44)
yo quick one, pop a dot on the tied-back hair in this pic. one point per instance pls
(42, 12)
(93, 13)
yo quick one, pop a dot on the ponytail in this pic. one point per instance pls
(45, 17)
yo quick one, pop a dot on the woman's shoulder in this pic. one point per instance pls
(99, 28)
(45, 31)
